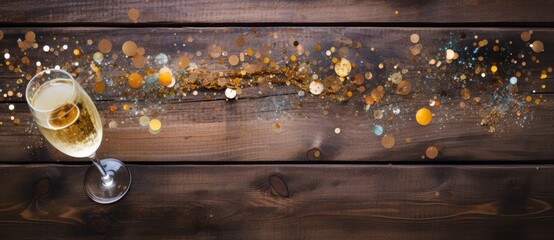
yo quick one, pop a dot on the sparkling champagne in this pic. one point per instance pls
(71, 124)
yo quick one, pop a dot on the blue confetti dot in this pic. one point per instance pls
(378, 130)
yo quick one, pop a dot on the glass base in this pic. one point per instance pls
(108, 190)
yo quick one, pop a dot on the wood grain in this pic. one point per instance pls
(324, 202)
(391, 46)
(243, 130)
(279, 11)
(206, 127)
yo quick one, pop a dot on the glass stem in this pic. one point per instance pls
(107, 180)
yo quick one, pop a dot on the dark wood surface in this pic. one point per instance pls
(207, 127)
(280, 11)
(284, 202)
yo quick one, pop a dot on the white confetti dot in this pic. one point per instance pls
(46, 48)
(64, 47)
(11, 107)
(337, 130)
(38, 64)
(230, 93)
(316, 88)
(513, 80)
(7, 56)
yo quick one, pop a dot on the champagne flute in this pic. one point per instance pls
(68, 119)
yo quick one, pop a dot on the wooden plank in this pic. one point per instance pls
(366, 47)
(206, 127)
(280, 11)
(284, 202)
(244, 131)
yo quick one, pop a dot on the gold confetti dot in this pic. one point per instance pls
(414, 38)
(494, 69)
(424, 116)
(135, 80)
(432, 152)
(233, 60)
(343, 67)
(183, 62)
(465, 94)
(99, 87)
(538, 46)
(525, 36)
(450, 54)
(133, 14)
(129, 48)
(293, 58)
(104, 46)
(388, 141)
(30, 36)
(155, 125)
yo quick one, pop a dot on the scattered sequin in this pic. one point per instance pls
(144, 121)
(316, 87)
(230, 93)
(424, 116)
(155, 125)
(388, 141)
(432, 152)
(378, 130)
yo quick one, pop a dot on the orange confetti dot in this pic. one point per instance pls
(113, 108)
(424, 116)
(135, 80)
(164, 78)
(99, 87)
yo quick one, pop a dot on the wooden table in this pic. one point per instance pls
(280, 162)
